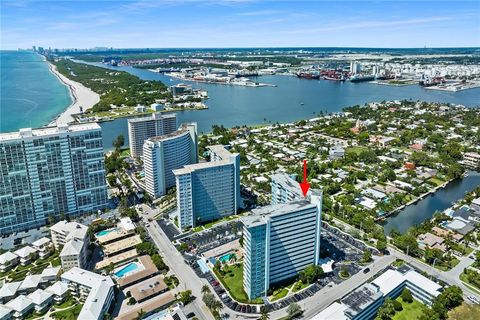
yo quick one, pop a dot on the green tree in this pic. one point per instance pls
(367, 256)
(264, 313)
(294, 311)
(386, 311)
(185, 296)
(118, 142)
(310, 274)
(407, 296)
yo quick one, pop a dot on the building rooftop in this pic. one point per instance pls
(155, 303)
(153, 116)
(391, 279)
(59, 288)
(360, 299)
(183, 129)
(5, 313)
(120, 245)
(116, 259)
(47, 131)
(25, 251)
(31, 281)
(39, 296)
(220, 151)
(72, 247)
(41, 242)
(202, 165)
(99, 285)
(70, 229)
(20, 303)
(147, 288)
(9, 289)
(7, 257)
(127, 224)
(287, 183)
(335, 311)
(260, 215)
(50, 272)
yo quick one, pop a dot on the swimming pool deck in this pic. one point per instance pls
(112, 248)
(112, 236)
(149, 270)
(116, 259)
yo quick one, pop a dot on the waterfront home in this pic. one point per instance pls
(431, 241)
(59, 290)
(26, 254)
(41, 299)
(475, 205)
(8, 260)
(471, 159)
(445, 233)
(21, 307)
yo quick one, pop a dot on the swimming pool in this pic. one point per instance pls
(132, 266)
(226, 257)
(105, 232)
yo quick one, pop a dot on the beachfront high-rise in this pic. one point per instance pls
(50, 171)
(165, 153)
(284, 189)
(210, 190)
(280, 240)
(140, 129)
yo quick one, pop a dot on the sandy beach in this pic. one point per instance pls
(81, 96)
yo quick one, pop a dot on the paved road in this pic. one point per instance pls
(188, 279)
(451, 277)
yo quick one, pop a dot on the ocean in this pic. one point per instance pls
(31, 96)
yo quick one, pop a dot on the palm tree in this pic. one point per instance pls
(140, 314)
(264, 313)
(205, 288)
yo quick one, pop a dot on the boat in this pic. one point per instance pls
(357, 78)
(334, 78)
(301, 103)
(308, 75)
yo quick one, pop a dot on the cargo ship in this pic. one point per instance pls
(308, 75)
(428, 82)
(357, 78)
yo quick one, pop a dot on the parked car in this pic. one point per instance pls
(366, 270)
(473, 299)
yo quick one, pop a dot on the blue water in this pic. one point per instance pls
(30, 95)
(439, 201)
(132, 266)
(226, 257)
(104, 232)
(29, 78)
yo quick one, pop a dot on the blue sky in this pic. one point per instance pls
(238, 23)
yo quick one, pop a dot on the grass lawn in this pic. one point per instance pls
(68, 314)
(67, 303)
(278, 294)
(356, 150)
(233, 281)
(452, 264)
(411, 311)
(436, 181)
(465, 312)
(464, 278)
(299, 285)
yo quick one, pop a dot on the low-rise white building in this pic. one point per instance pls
(8, 260)
(21, 306)
(74, 254)
(97, 290)
(41, 299)
(59, 290)
(26, 254)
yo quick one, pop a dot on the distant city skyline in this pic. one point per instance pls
(238, 23)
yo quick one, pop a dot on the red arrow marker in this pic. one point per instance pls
(304, 185)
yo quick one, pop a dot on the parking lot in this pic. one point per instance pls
(213, 237)
(344, 249)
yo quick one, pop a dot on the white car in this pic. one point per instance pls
(473, 299)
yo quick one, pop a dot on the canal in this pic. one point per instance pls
(439, 201)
